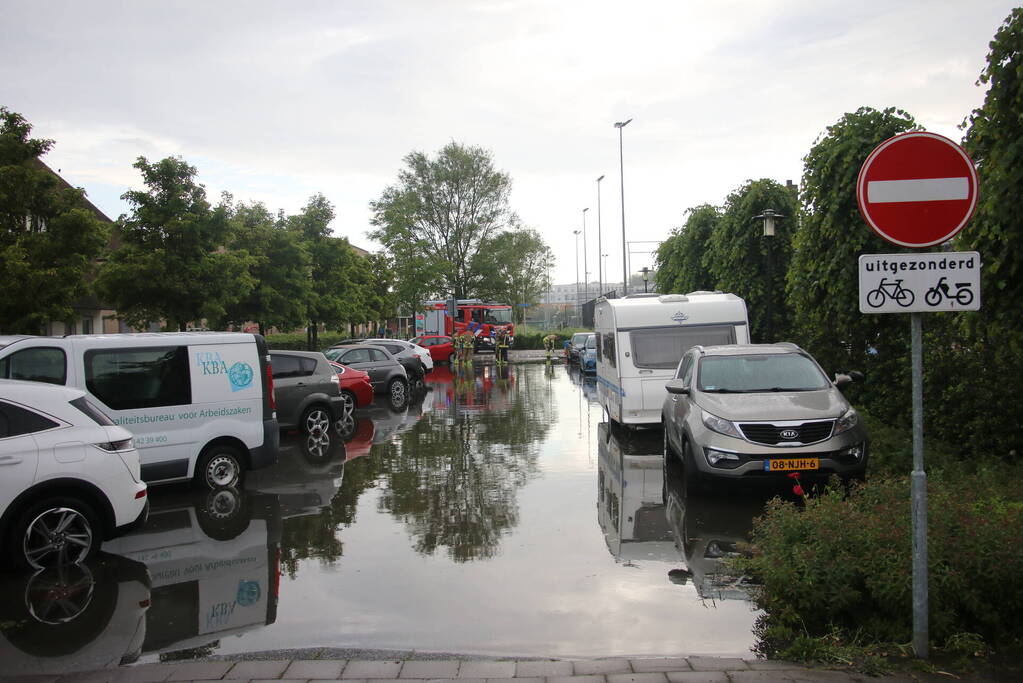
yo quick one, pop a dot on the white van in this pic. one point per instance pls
(200, 404)
(642, 337)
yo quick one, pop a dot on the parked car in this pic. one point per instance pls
(200, 404)
(759, 410)
(308, 391)
(355, 386)
(440, 346)
(386, 374)
(589, 356)
(71, 477)
(407, 347)
(576, 346)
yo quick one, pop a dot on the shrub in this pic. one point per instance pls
(842, 562)
(297, 342)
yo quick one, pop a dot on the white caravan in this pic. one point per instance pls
(642, 337)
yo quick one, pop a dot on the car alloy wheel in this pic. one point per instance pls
(316, 421)
(57, 536)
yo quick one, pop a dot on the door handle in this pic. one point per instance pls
(9, 460)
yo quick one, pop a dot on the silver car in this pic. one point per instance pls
(760, 410)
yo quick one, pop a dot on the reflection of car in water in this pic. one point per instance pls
(80, 617)
(706, 530)
(630, 505)
(214, 562)
(470, 390)
(307, 475)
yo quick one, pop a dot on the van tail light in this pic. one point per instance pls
(270, 386)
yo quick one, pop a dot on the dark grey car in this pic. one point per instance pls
(307, 390)
(386, 374)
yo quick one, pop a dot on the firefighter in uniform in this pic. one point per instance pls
(468, 346)
(548, 344)
(501, 342)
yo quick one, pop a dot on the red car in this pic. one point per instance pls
(355, 387)
(439, 346)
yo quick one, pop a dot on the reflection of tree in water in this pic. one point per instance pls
(316, 536)
(453, 480)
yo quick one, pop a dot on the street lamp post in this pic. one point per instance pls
(586, 267)
(600, 246)
(621, 172)
(646, 276)
(576, 233)
(769, 217)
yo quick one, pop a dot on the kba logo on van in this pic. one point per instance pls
(239, 375)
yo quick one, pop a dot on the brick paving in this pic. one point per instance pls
(694, 669)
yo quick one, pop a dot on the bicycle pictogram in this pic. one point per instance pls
(890, 289)
(941, 291)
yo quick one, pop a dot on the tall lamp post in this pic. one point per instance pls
(621, 172)
(586, 267)
(600, 246)
(576, 233)
(769, 217)
(646, 277)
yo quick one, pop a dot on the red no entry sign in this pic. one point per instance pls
(917, 189)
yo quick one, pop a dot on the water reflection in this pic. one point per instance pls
(213, 562)
(77, 618)
(706, 530)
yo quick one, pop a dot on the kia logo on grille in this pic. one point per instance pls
(789, 434)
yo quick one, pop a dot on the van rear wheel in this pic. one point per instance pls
(221, 466)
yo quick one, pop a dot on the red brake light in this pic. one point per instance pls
(270, 386)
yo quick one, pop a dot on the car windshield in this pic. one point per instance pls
(760, 373)
(591, 342)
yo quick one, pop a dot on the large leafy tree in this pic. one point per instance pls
(681, 259)
(439, 216)
(513, 268)
(49, 235)
(334, 298)
(172, 263)
(995, 142)
(740, 259)
(279, 266)
(823, 286)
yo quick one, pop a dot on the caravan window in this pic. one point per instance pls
(663, 347)
(608, 350)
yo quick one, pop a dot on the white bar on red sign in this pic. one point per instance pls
(918, 190)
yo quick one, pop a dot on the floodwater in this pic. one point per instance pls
(496, 514)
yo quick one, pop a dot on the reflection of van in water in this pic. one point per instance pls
(641, 339)
(199, 403)
(214, 560)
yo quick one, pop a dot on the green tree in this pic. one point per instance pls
(439, 216)
(823, 285)
(279, 266)
(49, 236)
(740, 259)
(172, 263)
(334, 297)
(513, 269)
(995, 142)
(680, 260)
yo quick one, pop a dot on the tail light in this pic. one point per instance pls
(115, 446)
(270, 386)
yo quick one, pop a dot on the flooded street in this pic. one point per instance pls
(497, 514)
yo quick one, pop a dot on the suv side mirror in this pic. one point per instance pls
(843, 380)
(676, 386)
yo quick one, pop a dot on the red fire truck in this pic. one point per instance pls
(481, 318)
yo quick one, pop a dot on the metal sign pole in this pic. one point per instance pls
(919, 495)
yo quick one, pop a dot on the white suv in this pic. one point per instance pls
(69, 477)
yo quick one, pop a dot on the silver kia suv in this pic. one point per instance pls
(760, 410)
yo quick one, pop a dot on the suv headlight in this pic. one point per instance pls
(720, 425)
(847, 421)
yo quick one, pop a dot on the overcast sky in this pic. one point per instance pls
(276, 101)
